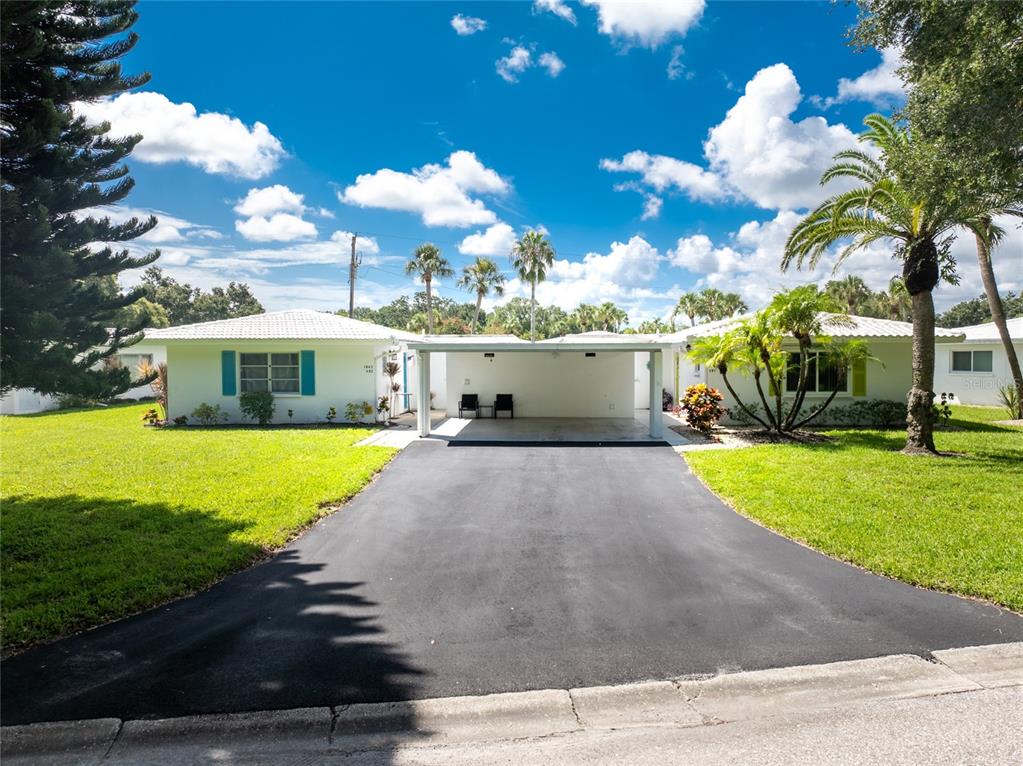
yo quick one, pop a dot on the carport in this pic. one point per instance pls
(589, 381)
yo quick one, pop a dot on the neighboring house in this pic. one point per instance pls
(971, 372)
(24, 401)
(310, 360)
(888, 377)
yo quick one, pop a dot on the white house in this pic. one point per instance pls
(888, 376)
(972, 371)
(24, 401)
(311, 361)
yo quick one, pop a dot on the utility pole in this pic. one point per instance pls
(353, 268)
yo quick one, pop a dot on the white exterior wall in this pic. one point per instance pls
(973, 387)
(159, 354)
(641, 377)
(25, 401)
(887, 378)
(346, 371)
(546, 384)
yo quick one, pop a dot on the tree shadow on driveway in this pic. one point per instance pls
(276, 636)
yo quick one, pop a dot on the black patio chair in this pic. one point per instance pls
(469, 403)
(504, 404)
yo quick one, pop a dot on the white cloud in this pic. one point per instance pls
(441, 195)
(324, 213)
(169, 228)
(759, 151)
(880, 86)
(514, 64)
(628, 263)
(646, 22)
(749, 263)
(552, 63)
(652, 205)
(365, 245)
(559, 8)
(280, 227)
(173, 132)
(271, 199)
(676, 69)
(667, 173)
(756, 152)
(496, 240)
(467, 25)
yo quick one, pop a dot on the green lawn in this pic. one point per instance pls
(952, 523)
(102, 517)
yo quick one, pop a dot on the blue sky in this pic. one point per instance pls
(663, 146)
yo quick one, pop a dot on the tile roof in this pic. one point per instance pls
(988, 333)
(298, 324)
(860, 327)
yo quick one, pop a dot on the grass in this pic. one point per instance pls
(102, 517)
(950, 523)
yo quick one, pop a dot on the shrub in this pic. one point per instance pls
(151, 416)
(942, 411)
(331, 414)
(740, 416)
(181, 420)
(356, 411)
(667, 400)
(880, 413)
(209, 414)
(258, 405)
(1008, 397)
(73, 401)
(702, 406)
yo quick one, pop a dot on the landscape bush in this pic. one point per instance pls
(209, 414)
(356, 411)
(258, 405)
(702, 407)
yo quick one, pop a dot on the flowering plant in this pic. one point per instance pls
(702, 407)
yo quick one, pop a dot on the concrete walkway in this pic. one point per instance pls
(506, 430)
(964, 706)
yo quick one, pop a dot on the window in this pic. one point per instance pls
(972, 361)
(132, 361)
(823, 374)
(277, 373)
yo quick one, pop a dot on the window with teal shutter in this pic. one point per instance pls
(228, 381)
(308, 373)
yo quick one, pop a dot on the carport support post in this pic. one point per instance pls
(423, 394)
(655, 394)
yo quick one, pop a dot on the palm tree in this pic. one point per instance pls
(882, 208)
(427, 263)
(532, 255)
(731, 304)
(802, 312)
(610, 317)
(689, 304)
(480, 277)
(852, 291)
(894, 304)
(716, 305)
(987, 236)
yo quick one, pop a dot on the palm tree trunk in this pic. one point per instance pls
(742, 405)
(987, 276)
(920, 401)
(797, 404)
(817, 411)
(476, 316)
(429, 305)
(775, 425)
(532, 310)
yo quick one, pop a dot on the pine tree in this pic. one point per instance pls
(58, 318)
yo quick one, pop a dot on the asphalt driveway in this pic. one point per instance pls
(473, 569)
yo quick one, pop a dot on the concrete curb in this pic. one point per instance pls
(719, 699)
